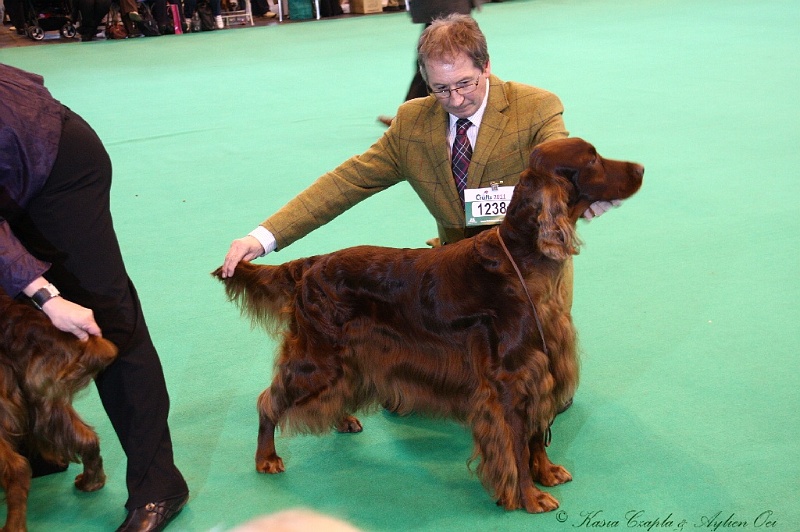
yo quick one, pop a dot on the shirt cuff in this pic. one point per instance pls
(267, 239)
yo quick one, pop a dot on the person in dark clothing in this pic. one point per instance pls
(15, 9)
(330, 8)
(91, 14)
(261, 8)
(158, 8)
(58, 246)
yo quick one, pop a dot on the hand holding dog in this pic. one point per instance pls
(599, 207)
(66, 315)
(246, 248)
(72, 318)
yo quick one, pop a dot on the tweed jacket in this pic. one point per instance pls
(415, 149)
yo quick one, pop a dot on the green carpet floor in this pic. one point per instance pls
(686, 298)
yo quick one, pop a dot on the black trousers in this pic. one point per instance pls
(418, 87)
(91, 13)
(69, 225)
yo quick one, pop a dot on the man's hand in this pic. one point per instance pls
(247, 248)
(599, 207)
(71, 317)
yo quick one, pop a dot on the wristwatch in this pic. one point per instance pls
(45, 294)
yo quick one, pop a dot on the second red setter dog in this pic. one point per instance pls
(479, 331)
(41, 369)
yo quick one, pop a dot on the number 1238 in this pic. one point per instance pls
(488, 208)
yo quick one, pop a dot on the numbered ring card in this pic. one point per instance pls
(486, 206)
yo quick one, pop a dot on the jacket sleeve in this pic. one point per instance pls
(336, 191)
(17, 266)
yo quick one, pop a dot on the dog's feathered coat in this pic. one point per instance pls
(449, 331)
(41, 369)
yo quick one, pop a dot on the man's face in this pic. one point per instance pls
(458, 72)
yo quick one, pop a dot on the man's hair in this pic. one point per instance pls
(448, 37)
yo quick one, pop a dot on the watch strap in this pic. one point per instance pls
(44, 294)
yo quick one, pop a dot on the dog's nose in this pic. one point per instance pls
(638, 170)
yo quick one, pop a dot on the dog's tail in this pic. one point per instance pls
(263, 293)
(80, 362)
(101, 353)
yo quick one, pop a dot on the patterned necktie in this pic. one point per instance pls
(461, 155)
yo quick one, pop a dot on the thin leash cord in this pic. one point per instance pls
(524, 287)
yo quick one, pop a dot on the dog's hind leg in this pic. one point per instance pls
(267, 460)
(15, 477)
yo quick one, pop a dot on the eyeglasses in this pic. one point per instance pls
(461, 89)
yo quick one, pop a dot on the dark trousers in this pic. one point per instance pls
(418, 87)
(190, 6)
(330, 8)
(15, 9)
(91, 12)
(259, 7)
(159, 10)
(69, 225)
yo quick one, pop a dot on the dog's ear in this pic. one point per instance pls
(556, 239)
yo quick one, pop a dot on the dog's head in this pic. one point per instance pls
(563, 178)
(590, 176)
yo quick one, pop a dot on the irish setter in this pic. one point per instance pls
(479, 330)
(41, 369)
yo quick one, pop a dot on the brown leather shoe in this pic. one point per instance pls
(153, 516)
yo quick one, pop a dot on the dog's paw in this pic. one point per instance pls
(86, 482)
(536, 501)
(552, 475)
(270, 464)
(349, 424)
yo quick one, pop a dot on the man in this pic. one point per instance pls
(507, 120)
(58, 247)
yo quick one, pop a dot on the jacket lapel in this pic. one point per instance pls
(439, 151)
(492, 125)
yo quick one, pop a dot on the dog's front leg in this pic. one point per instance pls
(349, 423)
(544, 471)
(16, 482)
(267, 460)
(531, 498)
(504, 466)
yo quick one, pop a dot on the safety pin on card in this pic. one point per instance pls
(488, 205)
